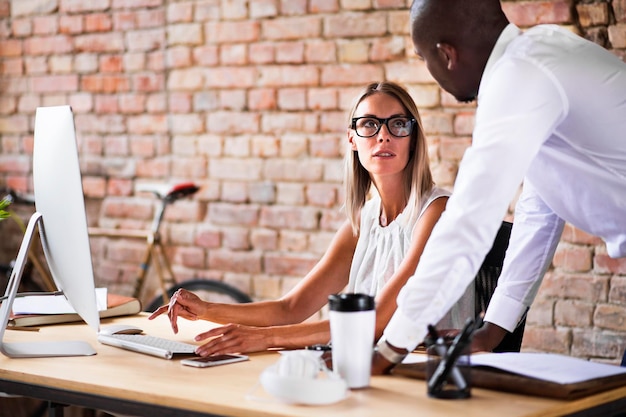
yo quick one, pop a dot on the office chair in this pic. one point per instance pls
(486, 281)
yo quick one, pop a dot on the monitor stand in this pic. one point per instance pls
(32, 349)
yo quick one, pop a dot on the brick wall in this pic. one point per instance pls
(249, 99)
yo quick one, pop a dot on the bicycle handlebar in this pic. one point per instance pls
(16, 197)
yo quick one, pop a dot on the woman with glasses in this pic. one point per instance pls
(392, 206)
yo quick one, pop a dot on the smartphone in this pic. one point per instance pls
(214, 360)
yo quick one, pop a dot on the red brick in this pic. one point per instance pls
(21, 27)
(323, 6)
(387, 49)
(292, 28)
(619, 9)
(288, 76)
(319, 51)
(593, 343)
(233, 32)
(236, 238)
(155, 168)
(262, 99)
(179, 12)
(94, 187)
(573, 258)
(232, 122)
(264, 239)
(593, 14)
(54, 83)
(573, 313)
(289, 52)
(464, 123)
(45, 25)
(235, 261)
(147, 124)
(407, 72)
(79, 6)
(617, 35)
(350, 74)
(150, 18)
(22, 8)
(105, 83)
(304, 218)
(208, 237)
(119, 187)
(13, 163)
(347, 25)
(47, 45)
(234, 214)
(229, 77)
(453, 148)
(98, 22)
(145, 40)
(547, 339)
(530, 13)
(290, 265)
(36, 65)
(70, 24)
(106, 104)
(134, 4)
(100, 42)
(234, 54)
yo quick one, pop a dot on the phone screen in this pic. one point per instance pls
(214, 360)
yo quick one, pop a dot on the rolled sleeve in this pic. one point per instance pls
(505, 312)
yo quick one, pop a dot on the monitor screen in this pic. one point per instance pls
(62, 224)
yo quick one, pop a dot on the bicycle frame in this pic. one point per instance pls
(155, 252)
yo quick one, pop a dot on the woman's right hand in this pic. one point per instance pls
(183, 304)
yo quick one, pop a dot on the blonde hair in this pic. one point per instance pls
(417, 176)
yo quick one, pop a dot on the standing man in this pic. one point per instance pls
(552, 115)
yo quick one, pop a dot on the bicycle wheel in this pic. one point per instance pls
(208, 290)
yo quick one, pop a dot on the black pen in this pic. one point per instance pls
(448, 362)
(440, 347)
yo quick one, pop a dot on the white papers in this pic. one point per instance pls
(53, 304)
(547, 366)
(415, 358)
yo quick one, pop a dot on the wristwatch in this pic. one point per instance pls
(388, 353)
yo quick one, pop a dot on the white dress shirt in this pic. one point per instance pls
(551, 114)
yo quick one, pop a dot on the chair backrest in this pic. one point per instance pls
(486, 281)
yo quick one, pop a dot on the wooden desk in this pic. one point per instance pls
(122, 381)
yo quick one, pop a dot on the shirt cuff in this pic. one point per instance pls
(402, 332)
(504, 311)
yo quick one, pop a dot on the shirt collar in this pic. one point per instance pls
(506, 37)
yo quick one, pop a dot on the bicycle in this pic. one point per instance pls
(207, 289)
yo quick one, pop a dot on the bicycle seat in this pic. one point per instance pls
(169, 192)
(181, 190)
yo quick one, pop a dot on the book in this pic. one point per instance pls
(539, 374)
(117, 305)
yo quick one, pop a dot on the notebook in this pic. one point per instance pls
(149, 345)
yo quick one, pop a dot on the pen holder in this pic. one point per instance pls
(456, 383)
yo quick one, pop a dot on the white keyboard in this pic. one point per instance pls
(150, 345)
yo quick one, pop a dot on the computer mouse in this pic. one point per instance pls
(120, 329)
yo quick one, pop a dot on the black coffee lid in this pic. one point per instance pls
(350, 302)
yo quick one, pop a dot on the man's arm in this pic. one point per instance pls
(509, 132)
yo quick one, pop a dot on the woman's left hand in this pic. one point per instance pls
(233, 338)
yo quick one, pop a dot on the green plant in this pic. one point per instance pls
(4, 203)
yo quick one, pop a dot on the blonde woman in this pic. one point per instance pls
(375, 251)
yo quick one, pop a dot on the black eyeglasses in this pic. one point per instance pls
(368, 126)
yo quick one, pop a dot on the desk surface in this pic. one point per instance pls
(125, 381)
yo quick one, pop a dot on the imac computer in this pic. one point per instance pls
(61, 220)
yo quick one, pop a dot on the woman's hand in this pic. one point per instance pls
(234, 338)
(183, 304)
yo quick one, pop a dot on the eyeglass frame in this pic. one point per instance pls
(382, 122)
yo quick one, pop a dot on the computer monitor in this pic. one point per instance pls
(62, 223)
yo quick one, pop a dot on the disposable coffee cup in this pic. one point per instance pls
(352, 326)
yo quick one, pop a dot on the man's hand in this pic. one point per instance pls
(487, 337)
(380, 365)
